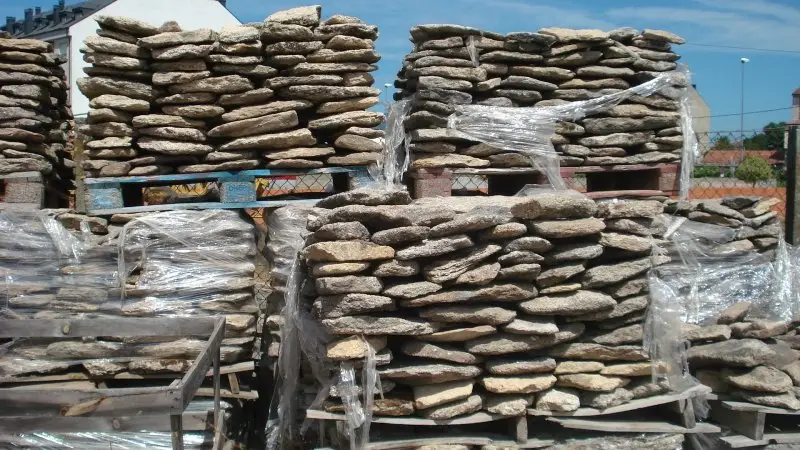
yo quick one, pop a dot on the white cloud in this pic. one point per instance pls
(538, 15)
(755, 24)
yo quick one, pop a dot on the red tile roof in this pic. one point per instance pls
(733, 157)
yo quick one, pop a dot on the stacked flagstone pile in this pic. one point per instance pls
(758, 227)
(457, 65)
(292, 92)
(119, 89)
(190, 263)
(35, 119)
(325, 68)
(748, 359)
(498, 304)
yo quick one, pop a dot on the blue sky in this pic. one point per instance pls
(770, 77)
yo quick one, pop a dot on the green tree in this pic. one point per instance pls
(722, 143)
(770, 138)
(753, 169)
(706, 172)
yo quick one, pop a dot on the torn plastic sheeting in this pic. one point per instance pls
(472, 51)
(300, 336)
(529, 130)
(287, 231)
(394, 161)
(188, 253)
(703, 282)
(690, 153)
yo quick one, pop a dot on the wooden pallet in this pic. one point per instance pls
(230, 372)
(25, 190)
(517, 426)
(89, 409)
(596, 181)
(756, 425)
(106, 196)
(668, 413)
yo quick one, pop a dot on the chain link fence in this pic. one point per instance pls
(734, 163)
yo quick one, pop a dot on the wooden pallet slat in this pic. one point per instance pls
(237, 190)
(83, 405)
(755, 425)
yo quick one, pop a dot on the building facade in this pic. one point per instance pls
(67, 26)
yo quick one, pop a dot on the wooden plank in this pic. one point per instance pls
(616, 168)
(630, 406)
(744, 406)
(628, 426)
(11, 176)
(202, 205)
(176, 426)
(233, 380)
(617, 194)
(519, 427)
(195, 177)
(246, 366)
(194, 377)
(479, 417)
(97, 402)
(746, 423)
(225, 393)
(783, 438)
(498, 171)
(192, 421)
(117, 327)
(739, 441)
(456, 439)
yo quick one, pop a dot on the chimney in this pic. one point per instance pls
(27, 26)
(10, 20)
(796, 106)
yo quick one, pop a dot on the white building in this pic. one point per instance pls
(66, 26)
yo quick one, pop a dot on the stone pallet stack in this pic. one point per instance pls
(202, 265)
(292, 92)
(287, 232)
(497, 304)
(757, 227)
(457, 65)
(325, 67)
(35, 120)
(747, 359)
(119, 89)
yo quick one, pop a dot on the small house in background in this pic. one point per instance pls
(701, 117)
(66, 26)
(727, 160)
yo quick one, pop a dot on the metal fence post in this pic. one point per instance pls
(792, 186)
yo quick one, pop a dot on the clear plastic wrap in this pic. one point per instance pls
(690, 152)
(529, 131)
(472, 51)
(396, 156)
(301, 336)
(703, 280)
(287, 231)
(184, 263)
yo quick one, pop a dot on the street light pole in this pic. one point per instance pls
(741, 115)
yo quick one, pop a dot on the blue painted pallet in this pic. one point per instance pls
(236, 189)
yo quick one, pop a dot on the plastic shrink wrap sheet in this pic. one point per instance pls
(185, 263)
(529, 130)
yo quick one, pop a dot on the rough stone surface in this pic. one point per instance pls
(732, 353)
(521, 384)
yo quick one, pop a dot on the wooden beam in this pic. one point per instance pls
(117, 327)
(747, 423)
(479, 417)
(194, 377)
(192, 421)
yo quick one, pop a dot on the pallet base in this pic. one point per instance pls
(595, 181)
(237, 190)
(756, 425)
(24, 190)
